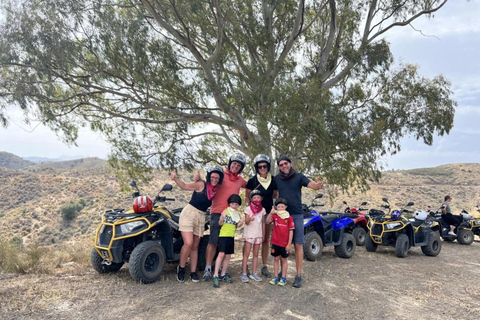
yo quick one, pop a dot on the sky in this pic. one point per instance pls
(448, 44)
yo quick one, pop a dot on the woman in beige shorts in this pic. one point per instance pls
(192, 218)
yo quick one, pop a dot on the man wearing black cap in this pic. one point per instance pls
(289, 185)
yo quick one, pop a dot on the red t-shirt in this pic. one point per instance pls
(225, 190)
(281, 230)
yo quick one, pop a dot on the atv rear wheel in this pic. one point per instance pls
(313, 246)
(465, 236)
(360, 235)
(347, 248)
(147, 261)
(434, 245)
(370, 245)
(100, 266)
(402, 245)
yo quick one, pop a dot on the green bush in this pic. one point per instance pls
(71, 210)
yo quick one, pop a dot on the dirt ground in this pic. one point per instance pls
(368, 286)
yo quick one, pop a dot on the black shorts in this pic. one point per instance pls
(214, 229)
(279, 251)
(226, 245)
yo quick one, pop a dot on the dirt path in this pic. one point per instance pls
(368, 286)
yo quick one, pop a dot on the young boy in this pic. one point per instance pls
(229, 221)
(282, 236)
(253, 234)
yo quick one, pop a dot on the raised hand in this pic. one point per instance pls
(173, 175)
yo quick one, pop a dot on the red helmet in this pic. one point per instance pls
(142, 204)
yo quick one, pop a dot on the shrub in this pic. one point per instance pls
(71, 210)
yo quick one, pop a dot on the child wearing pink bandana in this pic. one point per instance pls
(253, 234)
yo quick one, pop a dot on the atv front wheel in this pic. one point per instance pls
(360, 235)
(465, 236)
(147, 261)
(402, 245)
(434, 245)
(100, 266)
(346, 249)
(370, 245)
(313, 246)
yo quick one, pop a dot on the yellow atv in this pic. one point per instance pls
(402, 233)
(145, 237)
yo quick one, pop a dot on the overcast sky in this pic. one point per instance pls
(450, 45)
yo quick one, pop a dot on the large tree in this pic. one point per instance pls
(171, 82)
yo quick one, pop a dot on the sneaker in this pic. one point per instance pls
(274, 280)
(298, 281)
(216, 282)
(226, 278)
(451, 233)
(194, 277)
(180, 274)
(282, 282)
(207, 275)
(244, 277)
(255, 277)
(266, 273)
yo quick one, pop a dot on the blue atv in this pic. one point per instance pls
(326, 229)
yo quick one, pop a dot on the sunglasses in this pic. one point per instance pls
(262, 167)
(283, 164)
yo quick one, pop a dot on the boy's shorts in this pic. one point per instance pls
(279, 251)
(254, 240)
(226, 245)
(214, 229)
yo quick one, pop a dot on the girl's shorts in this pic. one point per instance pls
(254, 240)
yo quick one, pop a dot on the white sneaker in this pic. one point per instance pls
(255, 277)
(244, 277)
(452, 233)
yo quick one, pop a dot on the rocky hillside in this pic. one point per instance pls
(11, 161)
(34, 200)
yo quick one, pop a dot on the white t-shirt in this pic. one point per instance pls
(254, 228)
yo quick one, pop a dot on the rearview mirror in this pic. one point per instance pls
(364, 203)
(318, 196)
(167, 187)
(385, 199)
(410, 204)
(133, 184)
(345, 202)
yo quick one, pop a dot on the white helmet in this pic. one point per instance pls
(420, 215)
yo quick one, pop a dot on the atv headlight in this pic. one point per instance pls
(391, 226)
(129, 227)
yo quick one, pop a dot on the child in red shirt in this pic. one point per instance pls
(282, 236)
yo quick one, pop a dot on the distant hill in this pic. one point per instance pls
(86, 163)
(59, 159)
(11, 161)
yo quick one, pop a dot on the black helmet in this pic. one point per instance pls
(238, 157)
(259, 159)
(281, 200)
(235, 198)
(255, 193)
(215, 169)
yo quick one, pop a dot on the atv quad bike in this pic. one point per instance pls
(326, 229)
(402, 233)
(145, 240)
(465, 232)
(359, 226)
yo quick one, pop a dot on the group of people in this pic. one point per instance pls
(270, 200)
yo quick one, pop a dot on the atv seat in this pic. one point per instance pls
(176, 214)
(329, 218)
(417, 223)
(350, 215)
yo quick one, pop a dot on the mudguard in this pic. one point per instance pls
(341, 223)
(314, 219)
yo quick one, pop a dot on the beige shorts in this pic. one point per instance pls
(192, 220)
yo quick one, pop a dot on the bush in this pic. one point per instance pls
(71, 210)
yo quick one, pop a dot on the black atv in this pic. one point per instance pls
(465, 232)
(401, 233)
(146, 241)
(326, 229)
